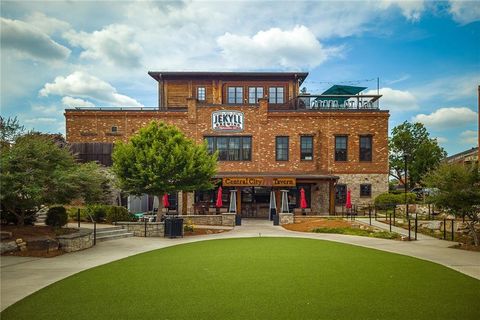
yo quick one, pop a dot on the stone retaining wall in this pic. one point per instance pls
(286, 218)
(224, 219)
(80, 240)
(154, 229)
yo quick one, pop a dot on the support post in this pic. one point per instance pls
(145, 224)
(453, 220)
(390, 219)
(370, 215)
(409, 238)
(94, 232)
(444, 229)
(416, 226)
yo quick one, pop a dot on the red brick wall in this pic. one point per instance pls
(93, 126)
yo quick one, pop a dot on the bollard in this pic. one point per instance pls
(78, 217)
(370, 215)
(416, 224)
(409, 230)
(94, 232)
(444, 229)
(145, 227)
(390, 220)
(452, 229)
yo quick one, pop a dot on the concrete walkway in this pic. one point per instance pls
(21, 276)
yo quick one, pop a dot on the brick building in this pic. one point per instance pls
(269, 136)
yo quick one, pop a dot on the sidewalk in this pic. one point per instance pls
(22, 276)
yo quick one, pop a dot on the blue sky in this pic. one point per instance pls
(56, 54)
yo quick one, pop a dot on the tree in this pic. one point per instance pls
(159, 159)
(35, 171)
(458, 192)
(423, 153)
(10, 129)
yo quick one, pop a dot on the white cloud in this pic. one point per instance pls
(445, 118)
(75, 102)
(295, 48)
(29, 40)
(449, 88)
(47, 24)
(114, 45)
(40, 120)
(396, 100)
(411, 9)
(47, 110)
(464, 12)
(81, 84)
(441, 140)
(469, 137)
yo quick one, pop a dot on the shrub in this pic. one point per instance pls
(97, 211)
(385, 199)
(56, 216)
(72, 214)
(7, 217)
(117, 213)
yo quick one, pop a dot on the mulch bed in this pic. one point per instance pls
(201, 231)
(308, 226)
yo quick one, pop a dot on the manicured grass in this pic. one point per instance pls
(258, 278)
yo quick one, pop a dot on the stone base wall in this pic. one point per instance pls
(320, 198)
(379, 182)
(154, 229)
(286, 218)
(83, 239)
(224, 219)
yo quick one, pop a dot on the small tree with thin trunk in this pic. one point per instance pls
(458, 192)
(159, 159)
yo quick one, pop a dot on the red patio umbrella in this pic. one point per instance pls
(303, 199)
(166, 204)
(348, 204)
(219, 202)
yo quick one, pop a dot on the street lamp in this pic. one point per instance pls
(405, 158)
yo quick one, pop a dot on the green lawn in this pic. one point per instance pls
(258, 278)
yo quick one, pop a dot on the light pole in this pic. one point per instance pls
(405, 158)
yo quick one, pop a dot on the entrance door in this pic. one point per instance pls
(255, 202)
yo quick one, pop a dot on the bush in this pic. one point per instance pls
(385, 199)
(56, 216)
(72, 214)
(97, 211)
(7, 217)
(116, 213)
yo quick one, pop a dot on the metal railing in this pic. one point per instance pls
(331, 102)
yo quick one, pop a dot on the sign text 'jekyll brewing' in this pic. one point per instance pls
(227, 121)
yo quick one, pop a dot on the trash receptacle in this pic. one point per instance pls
(173, 227)
(276, 220)
(238, 220)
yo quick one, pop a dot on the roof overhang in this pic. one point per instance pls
(159, 75)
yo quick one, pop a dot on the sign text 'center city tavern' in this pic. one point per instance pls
(227, 120)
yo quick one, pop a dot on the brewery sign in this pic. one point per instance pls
(224, 120)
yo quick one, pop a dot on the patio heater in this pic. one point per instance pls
(284, 208)
(273, 205)
(232, 208)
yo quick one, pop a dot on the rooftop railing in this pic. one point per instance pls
(331, 102)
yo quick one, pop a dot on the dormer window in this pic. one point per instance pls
(201, 94)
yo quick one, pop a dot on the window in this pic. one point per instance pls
(281, 148)
(341, 148)
(340, 194)
(275, 95)
(306, 148)
(254, 93)
(114, 129)
(365, 190)
(235, 95)
(365, 148)
(231, 148)
(201, 94)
